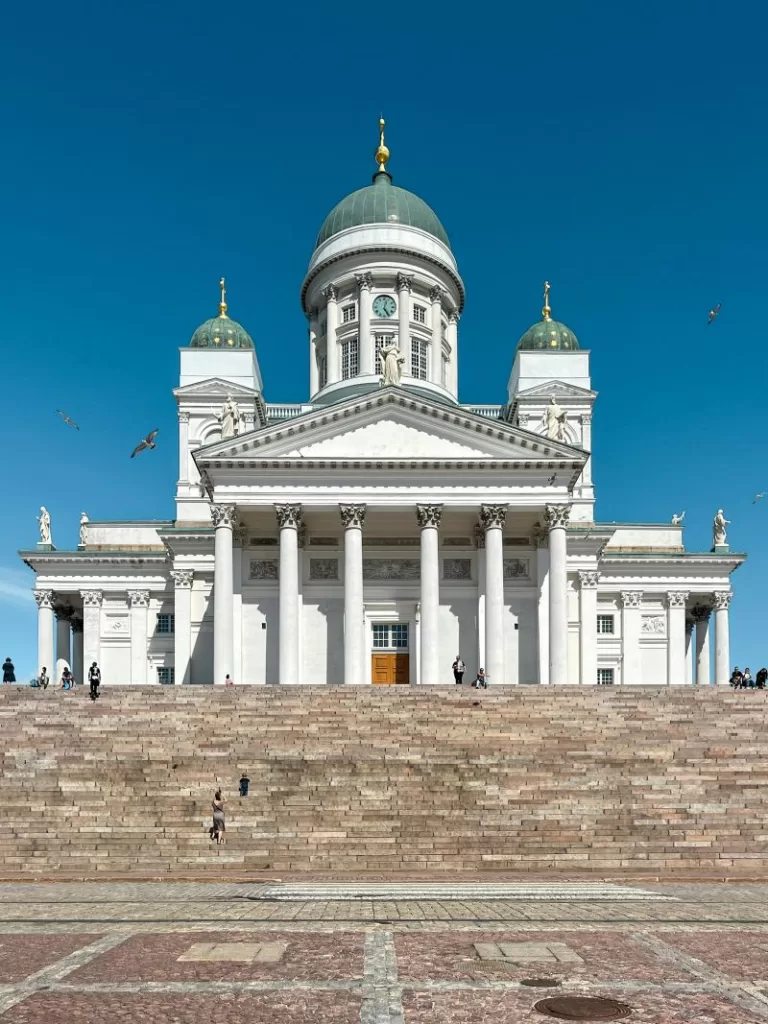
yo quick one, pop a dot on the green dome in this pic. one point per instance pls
(549, 335)
(221, 332)
(381, 203)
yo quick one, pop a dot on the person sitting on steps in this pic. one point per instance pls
(481, 680)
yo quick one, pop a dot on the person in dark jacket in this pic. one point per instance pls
(9, 672)
(761, 678)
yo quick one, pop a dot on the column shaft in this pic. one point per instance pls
(314, 372)
(404, 319)
(452, 337)
(481, 592)
(182, 608)
(436, 348)
(630, 637)
(63, 645)
(429, 520)
(703, 671)
(289, 521)
(92, 629)
(689, 653)
(353, 517)
(722, 640)
(183, 447)
(223, 606)
(492, 519)
(364, 282)
(45, 657)
(333, 361)
(77, 650)
(676, 644)
(588, 627)
(139, 609)
(556, 517)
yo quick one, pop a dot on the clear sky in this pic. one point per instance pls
(617, 149)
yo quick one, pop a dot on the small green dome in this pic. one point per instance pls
(549, 335)
(221, 332)
(381, 203)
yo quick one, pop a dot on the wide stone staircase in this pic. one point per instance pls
(384, 779)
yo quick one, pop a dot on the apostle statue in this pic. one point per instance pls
(230, 419)
(84, 520)
(44, 519)
(554, 421)
(719, 524)
(391, 358)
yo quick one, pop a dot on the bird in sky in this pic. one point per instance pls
(70, 422)
(552, 479)
(713, 312)
(148, 442)
(757, 497)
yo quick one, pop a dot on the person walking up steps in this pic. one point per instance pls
(94, 680)
(459, 668)
(9, 672)
(219, 827)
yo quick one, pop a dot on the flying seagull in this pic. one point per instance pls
(67, 420)
(552, 479)
(148, 442)
(713, 312)
(757, 497)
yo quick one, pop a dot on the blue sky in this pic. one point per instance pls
(618, 150)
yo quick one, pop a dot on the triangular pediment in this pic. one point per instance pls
(390, 424)
(557, 388)
(214, 387)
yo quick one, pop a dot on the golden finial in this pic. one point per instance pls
(382, 153)
(223, 301)
(546, 311)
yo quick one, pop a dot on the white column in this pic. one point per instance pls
(722, 600)
(588, 583)
(429, 520)
(183, 449)
(364, 285)
(77, 649)
(586, 443)
(223, 517)
(404, 319)
(689, 652)
(182, 641)
(542, 605)
(492, 519)
(701, 617)
(314, 373)
(289, 522)
(676, 644)
(481, 591)
(333, 360)
(452, 337)
(63, 638)
(45, 659)
(139, 600)
(240, 539)
(92, 628)
(353, 518)
(630, 636)
(556, 518)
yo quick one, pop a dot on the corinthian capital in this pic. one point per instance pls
(492, 515)
(588, 579)
(139, 598)
(364, 281)
(436, 294)
(404, 282)
(556, 516)
(91, 598)
(223, 515)
(352, 515)
(429, 515)
(288, 516)
(631, 598)
(721, 600)
(44, 598)
(331, 293)
(677, 598)
(454, 317)
(182, 578)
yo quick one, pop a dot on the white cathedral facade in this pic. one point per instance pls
(377, 530)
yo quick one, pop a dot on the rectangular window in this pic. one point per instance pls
(418, 358)
(390, 637)
(166, 623)
(605, 677)
(605, 624)
(349, 313)
(380, 636)
(349, 358)
(399, 635)
(166, 676)
(420, 314)
(322, 365)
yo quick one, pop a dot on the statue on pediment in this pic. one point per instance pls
(44, 519)
(719, 524)
(230, 419)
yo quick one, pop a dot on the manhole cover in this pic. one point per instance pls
(540, 983)
(583, 1008)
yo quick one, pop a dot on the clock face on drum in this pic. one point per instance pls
(384, 306)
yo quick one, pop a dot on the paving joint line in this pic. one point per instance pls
(382, 994)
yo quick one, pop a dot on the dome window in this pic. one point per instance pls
(349, 313)
(350, 359)
(418, 358)
(419, 314)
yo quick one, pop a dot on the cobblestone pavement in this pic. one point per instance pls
(467, 954)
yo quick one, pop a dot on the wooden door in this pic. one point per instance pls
(390, 668)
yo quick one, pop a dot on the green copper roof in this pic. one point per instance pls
(381, 203)
(549, 335)
(221, 332)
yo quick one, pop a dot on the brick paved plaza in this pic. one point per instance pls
(379, 953)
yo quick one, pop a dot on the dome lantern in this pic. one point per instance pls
(221, 331)
(548, 335)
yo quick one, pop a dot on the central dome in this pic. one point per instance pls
(381, 203)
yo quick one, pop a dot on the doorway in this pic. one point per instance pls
(390, 660)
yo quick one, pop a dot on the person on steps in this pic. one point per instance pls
(43, 680)
(459, 668)
(219, 825)
(481, 680)
(9, 672)
(94, 680)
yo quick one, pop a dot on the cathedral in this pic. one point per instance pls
(381, 528)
